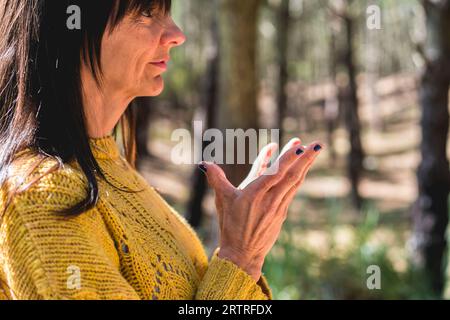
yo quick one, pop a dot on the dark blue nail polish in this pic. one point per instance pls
(299, 152)
(203, 168)
(317, 148)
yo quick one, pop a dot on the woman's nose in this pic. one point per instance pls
(173, 36)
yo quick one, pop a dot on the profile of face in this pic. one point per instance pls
(135, 54)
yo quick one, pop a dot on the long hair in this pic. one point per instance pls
(40, 83)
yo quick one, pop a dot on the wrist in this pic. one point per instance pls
(250, 264)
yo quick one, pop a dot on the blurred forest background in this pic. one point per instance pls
(317, 69)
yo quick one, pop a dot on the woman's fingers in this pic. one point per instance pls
(217, 178)
(288, 197)
(295, 175)
(276, 172)
(223, 188)
(260, 164)
(262, 161)
(292, 143)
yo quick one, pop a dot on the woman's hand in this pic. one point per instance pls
(251, 216)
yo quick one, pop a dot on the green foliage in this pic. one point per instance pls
(296, 272)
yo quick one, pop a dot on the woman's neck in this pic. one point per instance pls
(103, 108)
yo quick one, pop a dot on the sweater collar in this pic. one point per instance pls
(105, 147)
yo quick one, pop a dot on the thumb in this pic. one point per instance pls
(216, 178)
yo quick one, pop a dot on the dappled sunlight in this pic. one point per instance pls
(327, 242)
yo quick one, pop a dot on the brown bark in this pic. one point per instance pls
(348, 97)
(331, 101)
(195, 210)
(431, 209)
(144, 111)
(283, 36)
(356, 155)
(238, 79)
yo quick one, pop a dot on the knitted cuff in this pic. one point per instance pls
(224, 280)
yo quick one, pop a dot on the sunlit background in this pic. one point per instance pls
(320, 72)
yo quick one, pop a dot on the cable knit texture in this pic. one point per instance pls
(132, 245)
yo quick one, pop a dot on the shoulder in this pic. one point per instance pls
(38, 245)
(31, 172)
(38, 185)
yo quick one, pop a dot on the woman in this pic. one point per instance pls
(77, 220)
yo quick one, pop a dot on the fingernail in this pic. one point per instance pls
(203, 168)
(317, 148)
(299, 152)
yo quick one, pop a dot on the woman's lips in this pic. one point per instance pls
(160, 64)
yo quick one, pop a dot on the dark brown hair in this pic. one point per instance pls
(40, 85)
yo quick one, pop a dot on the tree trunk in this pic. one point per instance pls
(199, 184)
(331, 100)
(431, 209)
(348, 94)
(283, 36)
(143, 119)
(237, 76)
(348, 101)
(356, 155)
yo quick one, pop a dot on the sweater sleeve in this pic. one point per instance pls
(224, 280)
(48, 256)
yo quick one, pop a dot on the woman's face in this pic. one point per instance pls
(135, 55)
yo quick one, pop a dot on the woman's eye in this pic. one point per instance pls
(147, 13)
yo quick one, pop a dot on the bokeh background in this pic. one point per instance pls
(378, 98)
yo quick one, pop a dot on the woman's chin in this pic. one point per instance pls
(155, 88)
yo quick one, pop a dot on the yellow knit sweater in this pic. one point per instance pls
(130, 246)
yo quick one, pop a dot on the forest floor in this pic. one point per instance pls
(322, 221)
